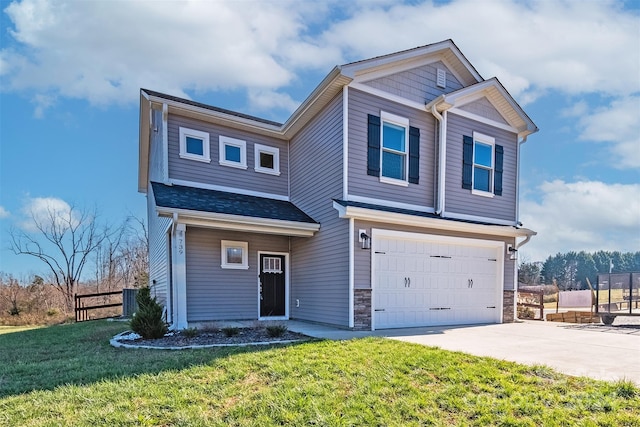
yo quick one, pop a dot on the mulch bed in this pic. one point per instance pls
(245, 336)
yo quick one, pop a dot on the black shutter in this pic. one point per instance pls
(497, 180)
(467, 162)
(373, 153)
(414, 155)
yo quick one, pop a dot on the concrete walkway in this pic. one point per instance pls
(592, 352)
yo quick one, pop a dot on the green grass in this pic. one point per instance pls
(69, 375)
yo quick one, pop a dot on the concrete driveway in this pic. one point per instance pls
(603, 353)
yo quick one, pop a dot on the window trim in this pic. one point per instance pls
(259, 148)
(226, 244)
(486, 140)
(240, 143)
(398, 121)
(204, 136)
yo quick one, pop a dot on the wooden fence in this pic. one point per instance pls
(82, 310)
(531, 299)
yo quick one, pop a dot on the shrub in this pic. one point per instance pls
(276, 330)
(147, 321)
(190, 332)
(230, 331)
(525, 313)
(53, 312)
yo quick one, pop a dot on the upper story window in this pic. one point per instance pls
(267, 159)
(395, 147)
(194, 145)
(233, 152)
(482, 165)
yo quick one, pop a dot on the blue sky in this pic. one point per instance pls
(70, 73)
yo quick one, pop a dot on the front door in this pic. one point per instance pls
(272, 285)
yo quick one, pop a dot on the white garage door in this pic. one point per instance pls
(423, 280)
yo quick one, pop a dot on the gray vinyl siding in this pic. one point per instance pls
(158, 243)
(362, 272)
(215, 293)
(215, 174)
(360, 184)
(320, 264)
(158, 251)
(417, 84)
(461, 201)
(483, 107)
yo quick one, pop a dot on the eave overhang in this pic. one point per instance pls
(493, 90)
(143, 145)
(375, 215)
(239, 222)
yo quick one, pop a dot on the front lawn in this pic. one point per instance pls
(69, 375)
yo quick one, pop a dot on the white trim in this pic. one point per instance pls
(485, 140)
(499, 245)
(478, 218)
(224, 261)
(286, 285)
(241, 223)
(165, 143)
(274, 151)
(386, 95)
(389, 203)
(351, 272)
(195, 134)
(180, 275)
(233, 142)
(168, 276)
(234, 190)
(345, 141)
(478, 118)
(394, 120)
(433, 223)
(393, 181)
(482, 193)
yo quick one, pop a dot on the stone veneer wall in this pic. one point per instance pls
(508, 315)
(362, 309)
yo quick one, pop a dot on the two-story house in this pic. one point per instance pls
(388, 199)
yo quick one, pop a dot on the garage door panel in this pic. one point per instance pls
(422, 282)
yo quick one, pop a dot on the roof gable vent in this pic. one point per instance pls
(441, 81)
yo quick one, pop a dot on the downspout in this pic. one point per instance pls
(441, 143)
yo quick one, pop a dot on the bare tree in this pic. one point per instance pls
(63, 239)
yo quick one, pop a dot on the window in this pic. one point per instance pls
(395, 146)
(482, 165)
(235, 254)
(271, 265)
(267, 159)
(233, 152)
(194, 145)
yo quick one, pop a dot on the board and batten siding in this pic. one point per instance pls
(362, 272)
(320, 264)
(215, 293)
(156, 159)
(417, 84)
(215, 174)
(461, 201)
(360, 184)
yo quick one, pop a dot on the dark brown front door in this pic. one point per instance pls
(272, 285)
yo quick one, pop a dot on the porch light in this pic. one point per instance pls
(366, 240)
(512, 252)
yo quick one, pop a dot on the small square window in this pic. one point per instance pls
(233, 152)
(267, 159)
(235, 255)
(194, 145)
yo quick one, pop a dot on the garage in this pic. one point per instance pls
(424, 280)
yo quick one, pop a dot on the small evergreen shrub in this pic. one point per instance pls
(147, 320)
(275, 331)
(230, 331)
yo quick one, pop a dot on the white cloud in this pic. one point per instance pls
(4, 213)
(94, 51)
(46, 211)
(617, 124)
(583, 215)
(263, 100)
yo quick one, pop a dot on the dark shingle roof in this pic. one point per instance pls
(346, 203)
(209, 107)
(213, 201)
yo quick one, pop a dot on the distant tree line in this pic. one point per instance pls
(570, 270)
